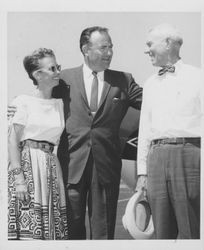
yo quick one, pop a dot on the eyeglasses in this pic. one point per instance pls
(53, 68)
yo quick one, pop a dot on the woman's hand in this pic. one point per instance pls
(22, 191)
(11, 110)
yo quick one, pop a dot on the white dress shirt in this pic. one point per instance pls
(88, 79)
(172, 106)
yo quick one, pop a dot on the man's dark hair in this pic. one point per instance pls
(86, 34)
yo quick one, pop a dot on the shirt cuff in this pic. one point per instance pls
(141, 170)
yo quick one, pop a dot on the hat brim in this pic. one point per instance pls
(129, 219)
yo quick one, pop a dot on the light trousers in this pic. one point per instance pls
(173, 188)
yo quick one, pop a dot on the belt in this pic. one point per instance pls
(43, 145)
(177, 140)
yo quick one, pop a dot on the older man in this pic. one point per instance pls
(169, 138)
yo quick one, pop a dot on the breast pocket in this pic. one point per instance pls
(117, 102)
(119, 98)
(117, 109)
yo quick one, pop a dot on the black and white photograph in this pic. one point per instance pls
(102, 109)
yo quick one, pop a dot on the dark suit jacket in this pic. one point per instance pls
(99, 133)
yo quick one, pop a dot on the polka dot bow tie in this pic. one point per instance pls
(169, 68)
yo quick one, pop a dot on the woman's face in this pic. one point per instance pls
(49, 71)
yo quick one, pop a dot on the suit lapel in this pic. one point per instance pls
(80, 81)
(106, 87)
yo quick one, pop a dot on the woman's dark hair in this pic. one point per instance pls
(86, 34)
(31, 62)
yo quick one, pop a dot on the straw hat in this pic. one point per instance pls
(137, 219)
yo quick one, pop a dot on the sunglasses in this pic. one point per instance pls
(53, 69)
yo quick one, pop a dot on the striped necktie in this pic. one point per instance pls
(94, 93)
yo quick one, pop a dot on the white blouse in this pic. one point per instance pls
(43, 119)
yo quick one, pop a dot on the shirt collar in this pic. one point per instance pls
(88, 72)
(178, 65)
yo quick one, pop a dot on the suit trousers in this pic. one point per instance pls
(101, 201)
(173, 189)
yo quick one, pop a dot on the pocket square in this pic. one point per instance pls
(116, 99)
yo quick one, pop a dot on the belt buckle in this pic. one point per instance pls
(174, 140)
(46, 147)
(180, 140)
(153, 142)
(42, 146)
(162, 141)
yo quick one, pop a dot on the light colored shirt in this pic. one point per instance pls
(88, 79)
(172, 106)
(43, 119)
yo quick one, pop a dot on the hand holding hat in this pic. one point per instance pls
(137, 219)
(142, 184)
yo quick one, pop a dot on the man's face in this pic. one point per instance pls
(99, 51)
(157, 50)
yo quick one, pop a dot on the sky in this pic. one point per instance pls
(60, 31)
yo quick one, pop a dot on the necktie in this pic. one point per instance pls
(168, 68)
(94, 94)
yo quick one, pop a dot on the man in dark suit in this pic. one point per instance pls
(92, 165)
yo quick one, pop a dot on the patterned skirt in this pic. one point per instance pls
(44, 215)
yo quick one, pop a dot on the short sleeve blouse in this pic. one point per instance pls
(43, 119)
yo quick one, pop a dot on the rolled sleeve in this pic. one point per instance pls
(143, 138)
(20, 116)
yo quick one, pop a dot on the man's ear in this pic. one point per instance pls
(168, 43)
(85, 49)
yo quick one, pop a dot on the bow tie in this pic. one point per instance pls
(169, 68)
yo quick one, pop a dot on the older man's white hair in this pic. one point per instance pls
(168, 31)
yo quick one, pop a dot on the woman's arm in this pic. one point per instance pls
(15, 160)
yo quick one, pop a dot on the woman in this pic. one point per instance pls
(37, 207)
